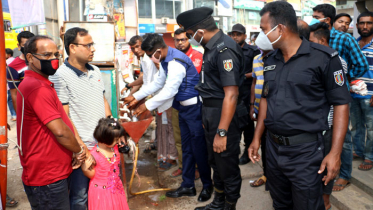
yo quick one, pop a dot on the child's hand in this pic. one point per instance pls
(86, 166)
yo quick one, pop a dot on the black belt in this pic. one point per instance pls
(213, 102)
(293, 140)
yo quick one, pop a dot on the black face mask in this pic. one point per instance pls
(23, 50)
(48, 67)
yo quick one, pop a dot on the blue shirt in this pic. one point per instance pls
(349, 50)
(368, 76)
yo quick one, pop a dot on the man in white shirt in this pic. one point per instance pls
(176, 78)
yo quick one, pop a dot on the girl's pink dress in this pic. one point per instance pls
(105, 188)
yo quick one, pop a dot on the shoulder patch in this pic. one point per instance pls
(338, 77)
(228, 65)
(325, 49)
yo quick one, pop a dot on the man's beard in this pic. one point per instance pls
(365, 34)
(241, 43)
(186, 49)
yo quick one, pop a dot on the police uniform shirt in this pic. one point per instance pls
(222, 66)
(249, 53)
(299, 92)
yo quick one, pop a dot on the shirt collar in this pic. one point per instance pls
(304, 48)
(245, 46)
(190, 50)
(169, 56)
(77, 71)
(30, 73)
(333, 31)
(213, 40)
(367, 45)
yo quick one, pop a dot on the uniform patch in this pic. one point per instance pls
(228, 65)
(338, 77)
(270, 68)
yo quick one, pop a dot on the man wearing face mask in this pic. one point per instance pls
(223, 112)
(249, 52)
(301, 81)
(80, 88)
(176, 79)
(357, 64)
(17, 67)
(182, 44)
(48, 142)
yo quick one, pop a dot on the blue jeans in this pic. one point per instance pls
(78, 190)
(362, 122)
(10, 105)
(53, 196)
(346, 156)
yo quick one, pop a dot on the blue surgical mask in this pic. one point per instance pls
(315, 21)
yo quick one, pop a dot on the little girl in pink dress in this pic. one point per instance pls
(105, 188)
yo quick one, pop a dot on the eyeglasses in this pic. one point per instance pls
(86, 45)
(49, 55)
(181, 40)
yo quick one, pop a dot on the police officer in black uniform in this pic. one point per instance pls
(249, 52)
(223, 112)
(301, 81)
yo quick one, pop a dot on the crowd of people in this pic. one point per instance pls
(308, 87)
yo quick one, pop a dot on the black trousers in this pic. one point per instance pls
(248, 130)
(328, 146)
(226, 172)
(292, 177)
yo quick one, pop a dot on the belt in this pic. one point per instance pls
(213, 102)
(190, 101)
(293, 140)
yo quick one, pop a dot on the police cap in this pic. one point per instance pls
(239, 28)
(191, 18)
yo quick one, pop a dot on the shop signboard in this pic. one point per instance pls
(146, 28)
(160, 28)
(250, 5)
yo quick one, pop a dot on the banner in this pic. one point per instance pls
(26, 13)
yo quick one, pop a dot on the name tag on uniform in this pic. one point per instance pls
(270, 68)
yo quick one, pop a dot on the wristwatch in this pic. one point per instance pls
(222, 132)
(127, 86)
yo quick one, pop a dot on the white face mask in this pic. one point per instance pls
(193, 41)
(156, 60)
(263, 42)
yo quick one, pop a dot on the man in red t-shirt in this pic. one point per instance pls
(182, 44)
(44, 132)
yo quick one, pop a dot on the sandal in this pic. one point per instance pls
(177, 173)
(341, 185)
(149, 148)
(10, 202)
(259, 182)
(365, 164)
(164, 166)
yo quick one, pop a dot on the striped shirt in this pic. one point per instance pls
(258, 75)
(368, 76)
(349, 50)
(83, 92)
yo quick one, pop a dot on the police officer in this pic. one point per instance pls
(249, 52)
(220, 79)
(302, 80)
(176, 79)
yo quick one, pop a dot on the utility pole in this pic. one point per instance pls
(3, 116)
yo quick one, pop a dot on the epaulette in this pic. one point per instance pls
(221, 47)
(325, 49)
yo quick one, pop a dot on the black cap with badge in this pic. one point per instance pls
(190, 18)
(239, 28)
